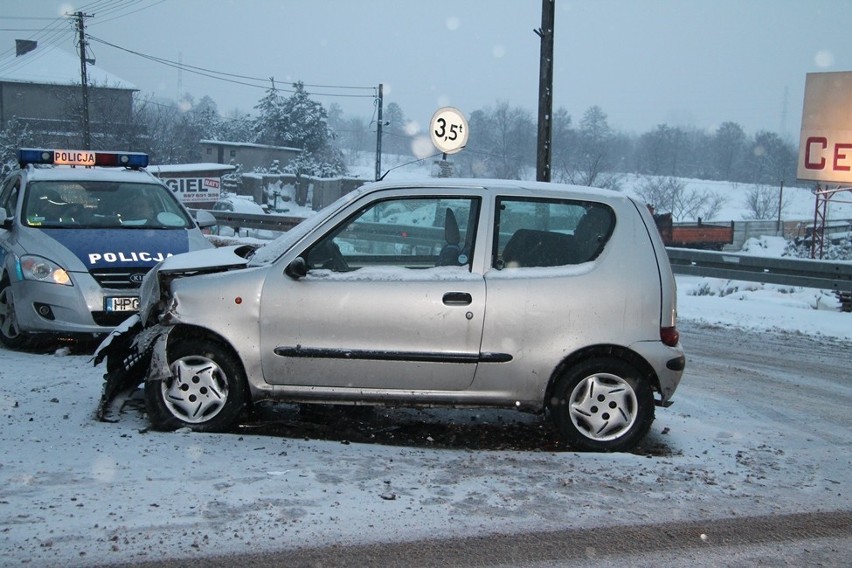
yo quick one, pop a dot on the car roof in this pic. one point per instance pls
(69, 173)
(513, 187)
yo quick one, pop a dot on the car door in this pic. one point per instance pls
(378, 308)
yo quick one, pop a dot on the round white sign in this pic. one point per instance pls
(449, 130)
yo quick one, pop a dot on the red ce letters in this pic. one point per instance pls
(815, 147)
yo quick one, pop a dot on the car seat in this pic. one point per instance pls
(451, 251)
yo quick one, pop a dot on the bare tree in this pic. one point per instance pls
(504, 145)
(593, 154)
(669, 194)
(713, 204)
(727, 150)
(762, 202)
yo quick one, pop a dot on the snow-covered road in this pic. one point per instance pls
(760, 426)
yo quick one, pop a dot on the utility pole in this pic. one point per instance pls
(545, 91)
(84, 81)
(379, 135)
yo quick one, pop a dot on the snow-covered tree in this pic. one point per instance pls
(15, 135)
(299, 122)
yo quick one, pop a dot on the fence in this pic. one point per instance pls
(789, 229)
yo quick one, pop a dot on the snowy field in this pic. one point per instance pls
(76, 492)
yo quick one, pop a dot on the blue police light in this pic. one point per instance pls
(88, 158)
(34, 156)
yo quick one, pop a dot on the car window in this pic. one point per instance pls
(9, 194)
(403, 232)
(549, 232)
(102, 204)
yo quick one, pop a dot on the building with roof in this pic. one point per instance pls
(248, 155)
(41, 89)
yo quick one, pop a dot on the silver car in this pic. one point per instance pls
(461, 293)
(80, 230)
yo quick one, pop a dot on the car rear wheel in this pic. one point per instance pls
(10, 335)
(205, 392)
(603, 404)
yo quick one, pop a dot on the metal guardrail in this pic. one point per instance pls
(256, 220)
(785, 271)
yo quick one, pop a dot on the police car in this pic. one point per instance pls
(80, 230)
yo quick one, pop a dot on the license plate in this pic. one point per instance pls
(121, 304)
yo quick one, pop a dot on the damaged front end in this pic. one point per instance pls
(129, 353)
(135, 352)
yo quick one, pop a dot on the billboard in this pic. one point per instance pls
(825, 142)
(194, 190)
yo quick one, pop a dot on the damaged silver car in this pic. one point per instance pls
(540, 297)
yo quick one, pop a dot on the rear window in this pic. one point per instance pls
(102, 204)
(533, 232)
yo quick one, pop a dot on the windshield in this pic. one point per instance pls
(102, 204)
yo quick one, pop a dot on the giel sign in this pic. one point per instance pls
(825, 143)
(193, 190)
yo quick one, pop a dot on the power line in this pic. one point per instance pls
(112, 10)
(55, 32)
(233, 77)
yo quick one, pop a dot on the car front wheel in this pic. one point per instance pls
(602, 404)
(205, 392)
(10, 335)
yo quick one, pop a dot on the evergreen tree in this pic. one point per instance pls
(270, 125)
(305, 121)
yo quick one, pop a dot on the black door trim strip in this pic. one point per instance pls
(378, 355)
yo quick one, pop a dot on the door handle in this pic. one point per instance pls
(457, 299)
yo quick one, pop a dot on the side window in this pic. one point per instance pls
(550, 232)
(416, 232)
(9, 194)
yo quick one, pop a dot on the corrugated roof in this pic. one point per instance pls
(49, 65)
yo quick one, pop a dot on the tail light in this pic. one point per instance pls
(670, 336)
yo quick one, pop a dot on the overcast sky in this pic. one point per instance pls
(644, 62)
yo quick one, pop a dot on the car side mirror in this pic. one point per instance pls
(298, 268)
(7, 221)
(204, 218)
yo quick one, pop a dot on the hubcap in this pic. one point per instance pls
(197, 390)
(603, 406)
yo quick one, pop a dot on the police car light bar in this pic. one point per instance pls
(88, 158)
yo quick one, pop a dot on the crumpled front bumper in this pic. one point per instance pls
(133, 355)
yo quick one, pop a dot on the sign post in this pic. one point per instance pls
(449, 132)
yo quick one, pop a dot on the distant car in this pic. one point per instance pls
(238, 204)
(241, 205)
(80, 230)
(532, 296)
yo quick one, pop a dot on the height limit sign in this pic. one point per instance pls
(449, 130)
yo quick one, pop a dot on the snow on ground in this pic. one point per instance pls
(80, 492)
